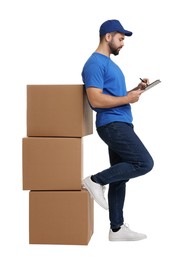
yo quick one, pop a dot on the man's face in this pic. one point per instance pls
(116, 43)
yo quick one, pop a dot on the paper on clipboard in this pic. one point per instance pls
(154, 83)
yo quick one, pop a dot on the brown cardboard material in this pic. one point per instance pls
(52, 163)
(60, 217)
(58, 110)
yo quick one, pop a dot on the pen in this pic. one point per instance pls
(142, 80)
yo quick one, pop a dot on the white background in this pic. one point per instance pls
(47, 42)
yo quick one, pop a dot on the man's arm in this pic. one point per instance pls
(98, 99)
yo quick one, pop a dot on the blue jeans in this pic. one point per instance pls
(128, 158)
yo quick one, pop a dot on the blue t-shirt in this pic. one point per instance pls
(101, 72)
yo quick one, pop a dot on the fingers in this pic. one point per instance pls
(134, 95)
(145, 80)
(144, 83)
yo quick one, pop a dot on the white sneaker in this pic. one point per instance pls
(125, 234)
(96, 190)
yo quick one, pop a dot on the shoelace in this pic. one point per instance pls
(126, 225)
(104, 189)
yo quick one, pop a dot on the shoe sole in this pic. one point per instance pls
(126, 239)
(89, 189)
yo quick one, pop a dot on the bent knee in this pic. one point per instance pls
(144, 166)
(148, 165)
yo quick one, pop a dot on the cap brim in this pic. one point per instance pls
(128, 33)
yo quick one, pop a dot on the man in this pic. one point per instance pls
(106, 90)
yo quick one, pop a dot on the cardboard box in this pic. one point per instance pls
(60, 217)
(52, 163)
(58, 110)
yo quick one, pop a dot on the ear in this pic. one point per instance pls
(108, 37)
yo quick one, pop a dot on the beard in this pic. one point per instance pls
(114, 50)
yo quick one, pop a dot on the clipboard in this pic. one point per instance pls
(154, 83)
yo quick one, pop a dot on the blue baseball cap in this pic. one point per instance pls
(113, 26)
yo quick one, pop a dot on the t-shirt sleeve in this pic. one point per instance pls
(93, 76)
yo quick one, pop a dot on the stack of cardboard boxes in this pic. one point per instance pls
(60, 209)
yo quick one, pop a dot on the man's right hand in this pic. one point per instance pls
(133, 96)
